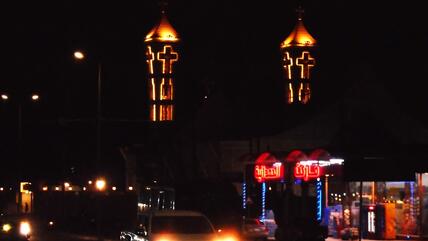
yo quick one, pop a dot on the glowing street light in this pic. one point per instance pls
(100, 184)
(4, 97)
(78, 55)
(35, 97)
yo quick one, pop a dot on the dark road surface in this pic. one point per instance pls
(58, 236)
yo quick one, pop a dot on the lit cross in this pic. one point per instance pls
(306, 63)
(149, 58)
(288, 62)
(167, 57)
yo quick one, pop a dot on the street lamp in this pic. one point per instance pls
(80, 56)
(100, 184)
(5, 97)
(34, 98)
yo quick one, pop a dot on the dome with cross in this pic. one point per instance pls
(299, 37)
(163, 32)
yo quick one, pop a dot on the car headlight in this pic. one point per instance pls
(6, 227)
(227, 237)
(25, 228)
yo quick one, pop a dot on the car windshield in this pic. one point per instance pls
(181, 224)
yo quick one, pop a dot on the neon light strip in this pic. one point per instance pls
(306, 66)
(291, 94)
(288, 66)
(172, 89)
(412, 199)
(263, 217)
(371, 222)
(153, 112)
(150, 60)
(244, 195)
(319, 200)
(300, 91)
(153, 89)
(171, 60)
(162, 94)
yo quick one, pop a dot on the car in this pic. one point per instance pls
(253, 229)
(14, 229)
(174, 225)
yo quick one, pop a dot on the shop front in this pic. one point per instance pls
(321, 192)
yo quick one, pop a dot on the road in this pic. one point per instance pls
(58, 236)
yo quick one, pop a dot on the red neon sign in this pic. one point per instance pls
(264, 172)
(307, 171)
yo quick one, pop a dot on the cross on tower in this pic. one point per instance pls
(149, 58)
(288, 62)
(167, 57)
(306, 62)
(300, 12)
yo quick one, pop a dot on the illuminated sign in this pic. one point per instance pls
(264, 172)
(307, 171)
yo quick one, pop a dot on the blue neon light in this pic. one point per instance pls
(319, 200)
(263, 216)
(244, 195)
(412, 199)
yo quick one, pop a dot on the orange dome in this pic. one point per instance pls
(299, 37)
(162, 32)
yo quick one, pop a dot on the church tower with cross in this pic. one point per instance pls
(161, 56)
(298, 58)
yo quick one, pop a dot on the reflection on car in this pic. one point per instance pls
(173, 225)
(254, 229)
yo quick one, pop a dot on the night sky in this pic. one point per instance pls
(229, 49)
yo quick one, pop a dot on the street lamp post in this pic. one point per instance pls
(100, 184)
(80, 56)
(4, 97)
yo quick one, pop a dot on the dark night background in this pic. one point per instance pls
(229, 49)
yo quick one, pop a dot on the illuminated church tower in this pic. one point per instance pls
(161, 57)
(298, 60)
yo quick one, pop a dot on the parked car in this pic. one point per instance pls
(253, 229)
(173, 225)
